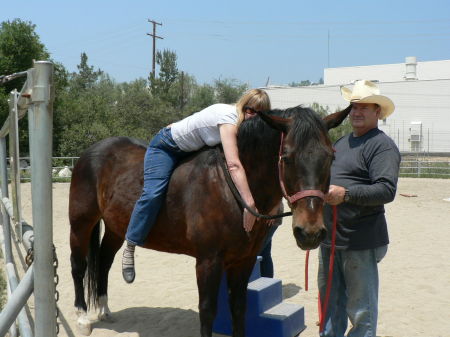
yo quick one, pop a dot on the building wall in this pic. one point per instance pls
(381, 73)
(427, 102)
(429, 70)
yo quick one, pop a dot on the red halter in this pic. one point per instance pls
(300, 194)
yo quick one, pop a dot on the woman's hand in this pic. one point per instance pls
(249, 219)
(228, 136)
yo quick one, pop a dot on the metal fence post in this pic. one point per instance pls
(40, 120)
(14, 161)
(4, 189)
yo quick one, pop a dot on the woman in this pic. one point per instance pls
(215, 124)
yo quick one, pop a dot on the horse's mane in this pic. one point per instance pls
(306, 126)
(258, 140)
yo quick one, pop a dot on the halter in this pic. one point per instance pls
(300, 194)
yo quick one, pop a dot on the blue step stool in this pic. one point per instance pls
(267, 315)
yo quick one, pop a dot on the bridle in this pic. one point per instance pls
(300, 194)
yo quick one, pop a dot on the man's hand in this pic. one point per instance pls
(335, 195)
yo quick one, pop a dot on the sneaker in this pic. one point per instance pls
(128, 271)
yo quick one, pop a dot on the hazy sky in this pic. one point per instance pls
(250, 41)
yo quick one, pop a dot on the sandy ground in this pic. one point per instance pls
(162, 302)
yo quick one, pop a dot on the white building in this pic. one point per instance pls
(419, 90)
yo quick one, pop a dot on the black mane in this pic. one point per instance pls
(255, 134)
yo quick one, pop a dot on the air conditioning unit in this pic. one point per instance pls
(415, 138)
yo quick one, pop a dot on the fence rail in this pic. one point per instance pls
(421, 167)
(58, 164)
(425, 168)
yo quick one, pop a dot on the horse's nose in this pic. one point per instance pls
(308, 240)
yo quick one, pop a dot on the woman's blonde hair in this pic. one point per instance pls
(256, 99)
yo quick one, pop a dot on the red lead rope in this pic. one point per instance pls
(323, 309)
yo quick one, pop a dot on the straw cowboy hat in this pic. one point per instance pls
(367, 92)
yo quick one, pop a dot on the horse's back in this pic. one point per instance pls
(98, 170)
(199, 211)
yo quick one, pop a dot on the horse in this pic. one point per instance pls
(200, 216)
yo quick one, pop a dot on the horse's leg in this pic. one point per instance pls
(111, 243)
(80, 235)
(237, 279)
(79, 264)
(209, 273)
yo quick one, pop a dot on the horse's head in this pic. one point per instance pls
(306, 157)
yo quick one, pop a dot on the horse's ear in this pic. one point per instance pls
(278, 123)
(335, 119)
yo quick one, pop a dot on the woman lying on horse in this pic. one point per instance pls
(215, 124)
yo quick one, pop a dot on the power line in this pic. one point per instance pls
(154, 36)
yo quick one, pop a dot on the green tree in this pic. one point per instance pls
(19, 46)
(229, 90)
(85, 110)
(335, 133)
(140, 115)
(202, 96)
(86, 76)
(300, 84)
(168, 74)
(305, 83)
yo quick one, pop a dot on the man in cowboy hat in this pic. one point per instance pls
(364, 177)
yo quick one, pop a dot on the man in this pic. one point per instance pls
(364, 177)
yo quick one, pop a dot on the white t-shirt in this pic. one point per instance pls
(202, 128)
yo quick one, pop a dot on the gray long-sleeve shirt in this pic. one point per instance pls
(368, 167)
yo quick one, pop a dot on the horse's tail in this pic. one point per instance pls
(93, 266)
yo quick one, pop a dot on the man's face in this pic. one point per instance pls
(364, 117)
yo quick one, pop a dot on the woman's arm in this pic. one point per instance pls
(228, 136)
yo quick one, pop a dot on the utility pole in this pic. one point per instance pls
(154, 42)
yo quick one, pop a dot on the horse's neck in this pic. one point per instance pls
(261, 167)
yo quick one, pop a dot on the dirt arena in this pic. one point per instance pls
(162, 302)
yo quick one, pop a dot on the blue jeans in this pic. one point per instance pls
(161, 158)
(354, 291)
(266, 263)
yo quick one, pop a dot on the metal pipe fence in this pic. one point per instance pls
(425, 168)
(57, 163)
(36, 98)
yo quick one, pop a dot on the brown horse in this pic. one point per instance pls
(200, 216)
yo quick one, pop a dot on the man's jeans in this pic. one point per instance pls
(354, 291)
(160, 160)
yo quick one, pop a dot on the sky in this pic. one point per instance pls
(254, 42)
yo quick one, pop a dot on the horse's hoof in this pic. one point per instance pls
(106, 317)
(80, 312)
(84, 326)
